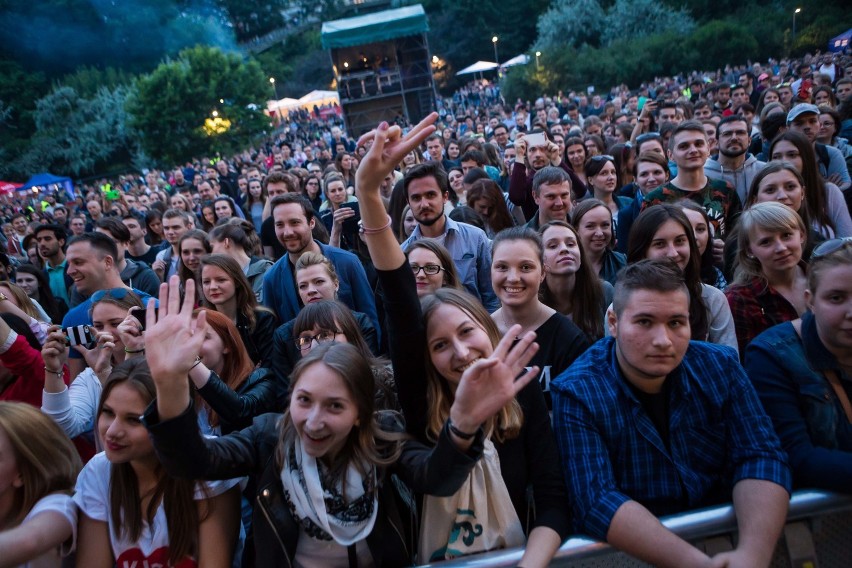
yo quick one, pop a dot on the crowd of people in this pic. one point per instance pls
(504, 325)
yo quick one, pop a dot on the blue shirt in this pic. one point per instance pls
(280, 294)
(470, 250)
(612, 452)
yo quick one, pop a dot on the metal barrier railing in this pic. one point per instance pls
(692, 526)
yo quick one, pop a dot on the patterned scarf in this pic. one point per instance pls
(318, 505)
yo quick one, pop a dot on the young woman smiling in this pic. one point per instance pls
(322, 469)
(602, 179)
(771, 275)
(225, 289)
(664, 231)
(131, 510)
(433, 350)
(593, 221)
(517, 273)
(433, 267)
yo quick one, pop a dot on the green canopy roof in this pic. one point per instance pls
(376, 27)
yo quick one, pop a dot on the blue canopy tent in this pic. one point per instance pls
(841, 42)
(51, 182)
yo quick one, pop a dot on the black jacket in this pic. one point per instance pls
(438, 470)
(258, 341)
(259, 394)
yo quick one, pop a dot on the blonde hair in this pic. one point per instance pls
(768, 216)
(316, 259)
(504, 425)
(46, 459)
(22, 300)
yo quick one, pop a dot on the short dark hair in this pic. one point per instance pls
(296, 198)
(687, 126)
(656, 275)
(550, 175)
(114, 227)
(730, 119)
(424, 170)
(58, 230)
(474, 155)
(280, 177)
(98, 241)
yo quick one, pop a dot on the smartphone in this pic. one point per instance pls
(535, 140)
(350, 225)
(140, 314)
(80, 335)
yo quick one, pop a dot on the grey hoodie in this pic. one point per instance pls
(739, 178)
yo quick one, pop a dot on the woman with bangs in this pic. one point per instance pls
(486, 198)
(771, 274)
(664, 231)
(437, 346)
(226, 290)
(38, 468)
(570, 286)
(132, 511)
(118, 337)
(193, 245)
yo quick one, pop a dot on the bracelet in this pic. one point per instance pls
(134, 351)
(368, 231)
(197, 362)
(52, 372)
(459, 433)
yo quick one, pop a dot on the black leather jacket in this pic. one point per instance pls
(259, 394)
(438, 470)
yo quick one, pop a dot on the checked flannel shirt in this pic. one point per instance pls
(612, 452)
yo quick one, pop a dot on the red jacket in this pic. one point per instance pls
(25, 362)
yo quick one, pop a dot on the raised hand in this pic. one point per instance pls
(387, 150)
(491, 383)
(172, 339)
(130, 333)
(54, 352)
(100, 357)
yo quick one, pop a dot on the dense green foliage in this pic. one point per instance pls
(170, 105)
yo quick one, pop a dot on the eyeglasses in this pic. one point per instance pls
(324, 336)
(829, 247)
(430, 269)
(115, 293)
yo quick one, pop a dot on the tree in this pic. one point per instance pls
(641, 18)
(171, 104)
(570, 24)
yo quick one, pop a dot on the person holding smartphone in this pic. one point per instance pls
(339, 212)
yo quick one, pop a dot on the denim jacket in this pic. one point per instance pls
(787, 372)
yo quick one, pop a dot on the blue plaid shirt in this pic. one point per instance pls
(612, 452)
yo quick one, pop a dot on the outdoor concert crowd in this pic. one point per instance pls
(510, 323)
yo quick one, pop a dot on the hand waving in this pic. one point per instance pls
(387, 151)
(172, 339)
(491, 383)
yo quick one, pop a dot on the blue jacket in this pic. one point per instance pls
(787, 372)
(280, 294)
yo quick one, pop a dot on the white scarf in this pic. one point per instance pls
(306, 496)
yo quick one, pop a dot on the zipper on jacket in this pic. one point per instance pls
(260, 502)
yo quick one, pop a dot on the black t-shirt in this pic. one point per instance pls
(268, 238)
(560, 343)
(657, 407)
(149, 257)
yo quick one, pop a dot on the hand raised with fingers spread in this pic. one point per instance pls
(172, 339)
(388, 150)
(491, 383)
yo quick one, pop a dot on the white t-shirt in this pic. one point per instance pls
(152, 547)
(54, 503)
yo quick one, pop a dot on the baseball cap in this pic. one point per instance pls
(763, 76)
(801, 109)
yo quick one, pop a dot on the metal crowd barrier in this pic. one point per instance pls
(818, 534)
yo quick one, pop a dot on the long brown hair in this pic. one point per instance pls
(246, 301)
(586, 307)
(46, 460)
(367, 444)
(506, 424)
(176, 495)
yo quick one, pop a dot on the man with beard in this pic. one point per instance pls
(733, 164)
(427, 190)
(51, 240)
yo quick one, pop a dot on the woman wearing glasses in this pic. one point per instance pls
(316, 281)
(801, 369)
(432, 266)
